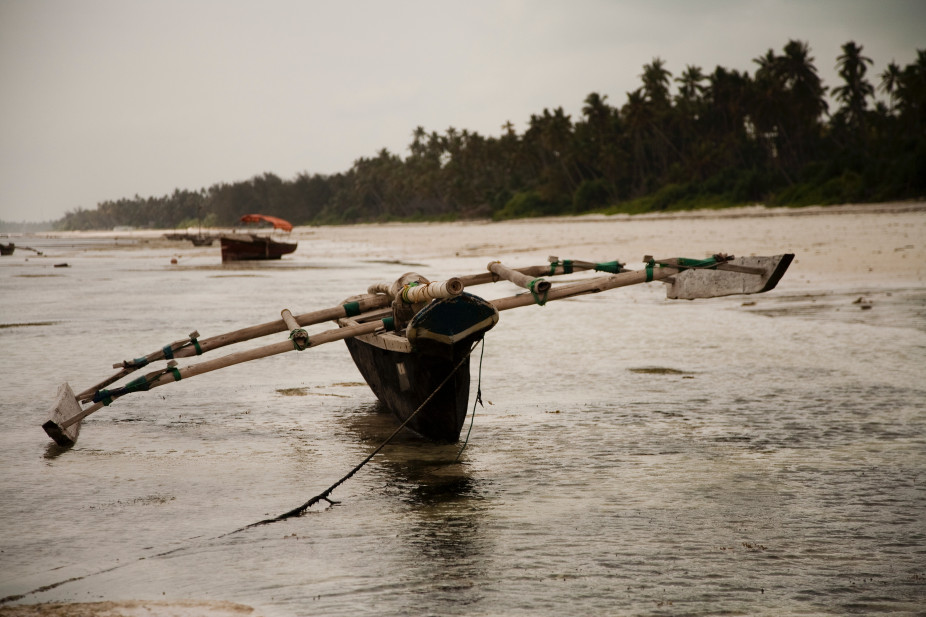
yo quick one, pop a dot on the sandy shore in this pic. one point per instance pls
(868, 243)
(857, 244)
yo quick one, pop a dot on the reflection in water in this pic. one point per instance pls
(442, 536)
(53, 450)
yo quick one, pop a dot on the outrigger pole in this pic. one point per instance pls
(717, 276)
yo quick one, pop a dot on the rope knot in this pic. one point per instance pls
(541, 298)
(300, 339)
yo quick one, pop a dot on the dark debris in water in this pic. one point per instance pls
(395, 262)
(658, 370)
(30, 324)
(37, 276)
(306, 391)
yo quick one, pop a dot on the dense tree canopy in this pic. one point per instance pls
(724, 138)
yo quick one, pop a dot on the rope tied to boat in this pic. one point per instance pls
(300, 339)
(611, 267)
(566, 264)
(540, 299)
(351, 309)
(478, 400)
(685, 263)
(137, 363)
(325, 495)
(141, 384)
(168, 350)
(405, 291)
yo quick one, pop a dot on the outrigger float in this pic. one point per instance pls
(412, 339)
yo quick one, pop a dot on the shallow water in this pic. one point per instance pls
(762, 455)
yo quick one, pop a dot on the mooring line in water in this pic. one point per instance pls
(472, 418)
(325, 494)
(74, 579)
(292, 513)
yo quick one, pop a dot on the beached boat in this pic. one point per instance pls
(420, 369)
(198, 239)
(248, 246)
(7, 249)
(412, 339)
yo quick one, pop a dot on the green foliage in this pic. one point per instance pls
(524, 205)
(724, 139)
(590, 195)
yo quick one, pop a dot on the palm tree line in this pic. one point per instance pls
(720, 139)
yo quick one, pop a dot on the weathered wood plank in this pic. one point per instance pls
(746, 275)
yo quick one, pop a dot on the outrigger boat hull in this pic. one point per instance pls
(404, 381)
(423, 378)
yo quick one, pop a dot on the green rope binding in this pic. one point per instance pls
(136, 363)
(541, 300)
(566, 264)
(710, 262)
(295, 335)
(199, 350)
(612, 267)
(136, 385)
(104, 396)
(389, 324)
(405, 292)
(141, 384)
(168, 352)
(684, 263)
(351, 309)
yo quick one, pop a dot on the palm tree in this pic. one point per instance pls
(890, 82)
(690, 88)
(656, 80)
(637, 118)
(854, 95)
(789, 105)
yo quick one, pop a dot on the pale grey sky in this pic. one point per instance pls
(103, 99)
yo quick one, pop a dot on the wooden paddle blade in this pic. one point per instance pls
(744, 275)
(65, 407)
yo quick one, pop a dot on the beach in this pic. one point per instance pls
(758, 455)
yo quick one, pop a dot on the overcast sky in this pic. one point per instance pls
(103, 99)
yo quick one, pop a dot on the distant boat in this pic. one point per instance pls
(251, 246)
(199, 239)
(7, 249)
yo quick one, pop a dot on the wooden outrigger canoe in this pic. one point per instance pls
(251, 246)
(412, 339)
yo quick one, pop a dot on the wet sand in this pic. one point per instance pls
(131, 609)
(866, 246)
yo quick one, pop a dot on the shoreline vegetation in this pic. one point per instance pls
(696, 141)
